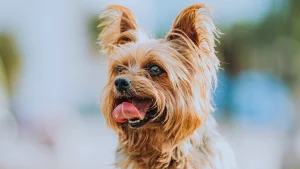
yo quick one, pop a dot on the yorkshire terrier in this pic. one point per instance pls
(159, 94)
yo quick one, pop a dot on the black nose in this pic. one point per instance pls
(122, 84)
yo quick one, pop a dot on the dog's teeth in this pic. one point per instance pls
(135, 121)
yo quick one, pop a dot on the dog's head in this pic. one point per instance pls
(159, 90)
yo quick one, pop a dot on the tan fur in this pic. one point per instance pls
(182, 135)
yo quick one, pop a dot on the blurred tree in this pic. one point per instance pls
(94, 29)
(271, 45)
(9, 62)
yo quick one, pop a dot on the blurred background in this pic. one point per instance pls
(51, 74)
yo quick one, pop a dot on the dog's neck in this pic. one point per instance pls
(158, 153)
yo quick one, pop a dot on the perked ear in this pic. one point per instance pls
(196, 28)
(115, 20)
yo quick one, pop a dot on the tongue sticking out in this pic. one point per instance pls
(136, 109)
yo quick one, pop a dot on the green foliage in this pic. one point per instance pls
(271, 45)
(9, 61)
(94, 29)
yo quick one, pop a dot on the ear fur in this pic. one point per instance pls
(115, 21)
(195, 27)
(193, 35)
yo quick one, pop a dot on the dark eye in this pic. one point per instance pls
(155, 70)
(119, 69)
(124, 40)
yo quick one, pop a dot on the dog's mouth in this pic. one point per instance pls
(137, 112)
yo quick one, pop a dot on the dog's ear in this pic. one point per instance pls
(193, 35)
(115, 22)
(193, 27)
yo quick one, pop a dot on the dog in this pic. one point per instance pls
(158, 97)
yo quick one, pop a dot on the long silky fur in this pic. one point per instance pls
(183, 134)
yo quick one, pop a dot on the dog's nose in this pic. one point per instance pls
(122, 84)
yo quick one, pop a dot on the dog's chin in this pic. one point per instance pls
(137, 123)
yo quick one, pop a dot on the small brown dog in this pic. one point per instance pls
(158, 97)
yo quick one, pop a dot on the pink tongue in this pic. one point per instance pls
(126, 110)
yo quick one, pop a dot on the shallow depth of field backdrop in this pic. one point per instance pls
(51, 74)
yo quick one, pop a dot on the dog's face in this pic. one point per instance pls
(159, 90)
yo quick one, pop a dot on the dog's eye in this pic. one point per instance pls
(155, 70)
(119, 69)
